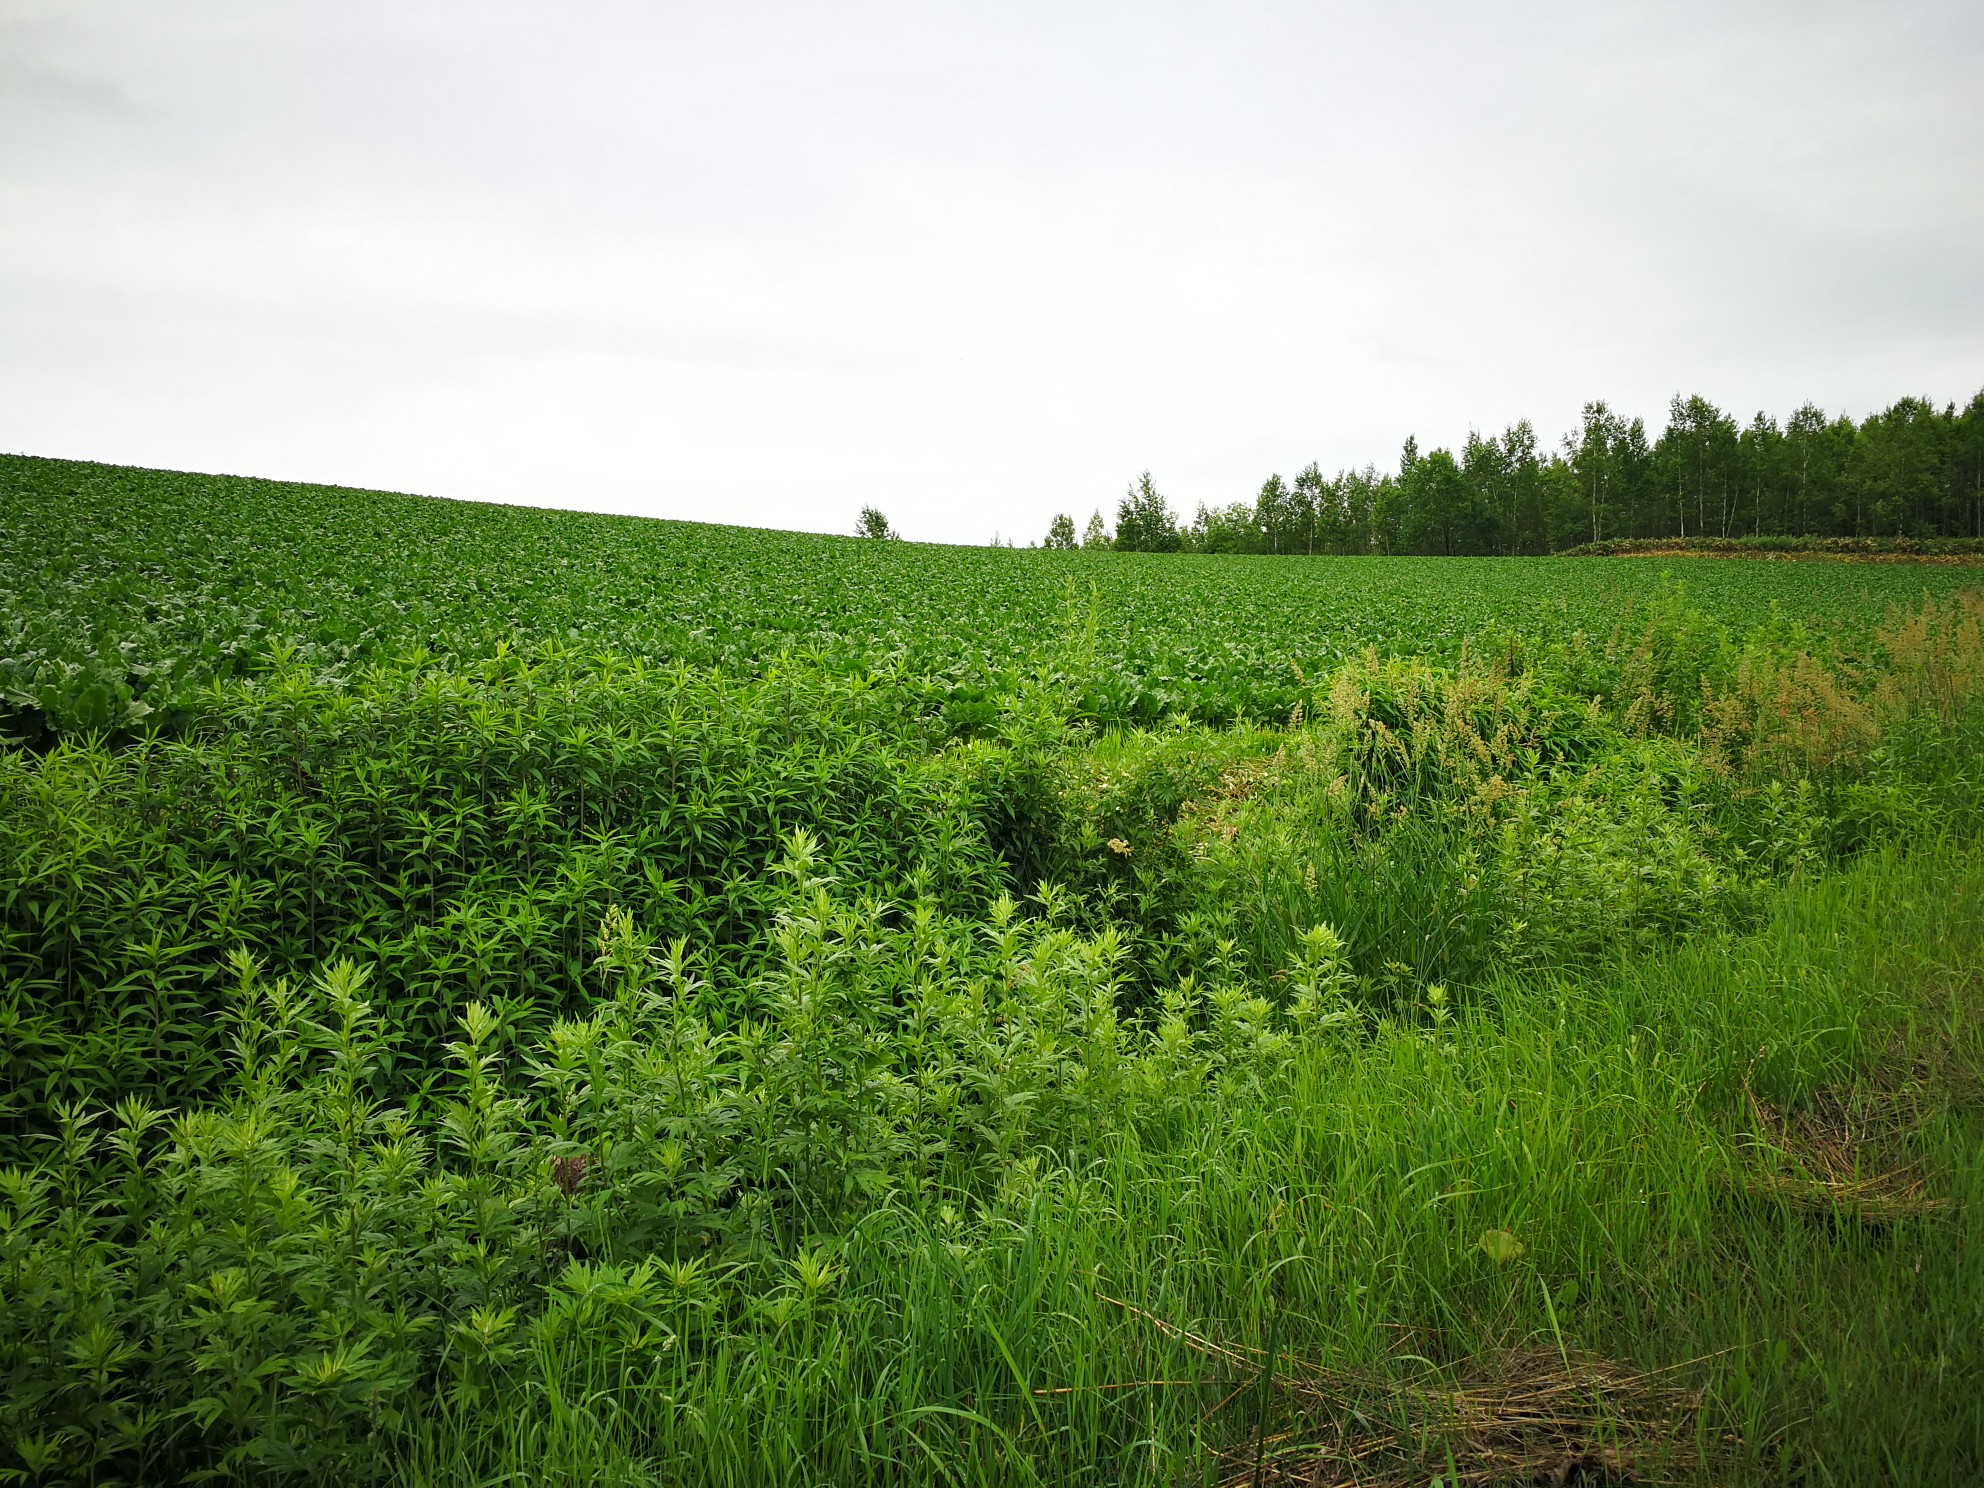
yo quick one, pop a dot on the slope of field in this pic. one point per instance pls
(122, 586)
(495, 996)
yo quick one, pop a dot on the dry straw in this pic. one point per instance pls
(1532, 1416)
(1838, 1157)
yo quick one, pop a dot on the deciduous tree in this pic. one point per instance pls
(1144, 521)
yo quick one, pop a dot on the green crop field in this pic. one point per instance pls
(492, 995)
(124, 586)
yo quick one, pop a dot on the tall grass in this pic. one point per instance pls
(1336, 1202)
(558, 1069)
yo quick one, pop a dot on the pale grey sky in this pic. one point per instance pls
(975, 264)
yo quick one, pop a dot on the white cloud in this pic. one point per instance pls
(973, 264)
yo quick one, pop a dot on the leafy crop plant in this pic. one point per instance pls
(557, 999)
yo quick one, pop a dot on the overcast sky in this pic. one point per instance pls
(973, 264)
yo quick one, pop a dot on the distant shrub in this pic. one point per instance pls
(871, 523)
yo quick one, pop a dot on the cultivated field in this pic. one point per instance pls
(124, 585)
(494, 995)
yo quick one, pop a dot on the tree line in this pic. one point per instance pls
(1911, 470)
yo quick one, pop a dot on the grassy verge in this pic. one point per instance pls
(1558, 1062)
(1589, 1222)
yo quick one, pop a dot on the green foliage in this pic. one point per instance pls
(462, 832)
(1144, 522)
(1910, 475)
(872, 523)
(1771, 547)
(560, 999)
(273, 1282)
(672, 1222)
(126, 595)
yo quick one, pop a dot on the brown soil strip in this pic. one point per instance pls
(1948, 560)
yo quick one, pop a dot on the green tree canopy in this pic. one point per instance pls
(872, 523)
(1144, 521)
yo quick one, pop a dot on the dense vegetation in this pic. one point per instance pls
(126, 594)
(503, 996)
(1912, 470)
(1846, 549)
